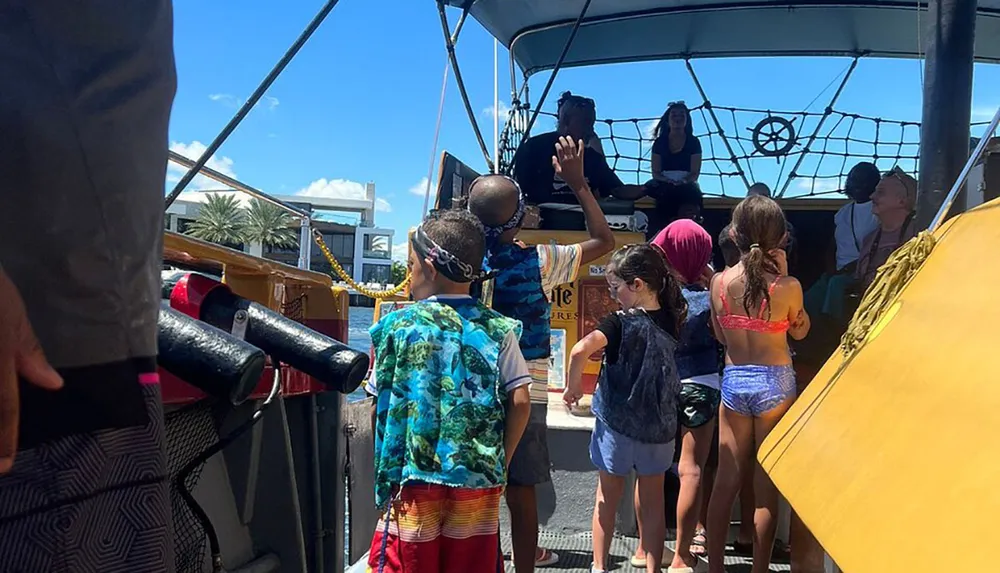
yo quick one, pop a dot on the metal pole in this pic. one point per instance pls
(819, 125)
(944, 127)
(496, 106)
(252, 101)
(437, 134)
(305, 243)
(956, 188)
(450, 41)
(237, 185)
(718, 124)
(555, 70)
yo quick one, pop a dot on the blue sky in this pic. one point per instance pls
(359, 103)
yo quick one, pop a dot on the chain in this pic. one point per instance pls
(379, 295)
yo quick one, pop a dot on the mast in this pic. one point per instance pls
(496, 105)
(947, 103)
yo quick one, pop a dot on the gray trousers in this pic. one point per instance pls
(86, 88)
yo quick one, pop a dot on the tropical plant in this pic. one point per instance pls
(221, 220)
(398, 272)
(269, 225)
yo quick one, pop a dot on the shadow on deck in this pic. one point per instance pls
(576, 553)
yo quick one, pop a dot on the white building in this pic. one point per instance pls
(364, 250)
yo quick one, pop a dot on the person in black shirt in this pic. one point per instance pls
(533, 168)
(676, 155)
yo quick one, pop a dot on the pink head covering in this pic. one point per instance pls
(688, 248)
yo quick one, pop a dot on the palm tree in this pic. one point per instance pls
(221, 220)
(269, 225)
(380, 244)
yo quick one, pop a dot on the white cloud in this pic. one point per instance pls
(193, 151)
(983, 113)
(229, 100)
(401, 250)
(420, 189)
(341, 189)
(501, 112)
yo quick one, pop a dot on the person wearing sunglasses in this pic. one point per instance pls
(893, 204)
(537, 177)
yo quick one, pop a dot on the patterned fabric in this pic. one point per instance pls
(753, 389)
(439, 402)
(435, 528)
(699, 404)
(91, 502)
(557, 265)
(697, 349)
(637, 396)
(517, 293)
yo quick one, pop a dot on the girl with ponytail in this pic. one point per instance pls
(637, 397)
(755, 307)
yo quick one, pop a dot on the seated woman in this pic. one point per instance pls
(533, 168)
(676, 159)
(676, 153)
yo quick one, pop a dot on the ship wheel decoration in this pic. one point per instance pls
(773, 136)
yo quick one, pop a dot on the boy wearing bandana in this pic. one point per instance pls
(522, 285)
(451, 404)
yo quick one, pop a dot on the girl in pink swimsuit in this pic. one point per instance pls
(755, 307)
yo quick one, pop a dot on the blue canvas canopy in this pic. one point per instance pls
(536, 31)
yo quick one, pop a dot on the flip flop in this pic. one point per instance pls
(547, 559)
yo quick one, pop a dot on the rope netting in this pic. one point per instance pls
(797, 154)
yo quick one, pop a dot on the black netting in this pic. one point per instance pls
(189, 431)
(295, 309)
(819, 147)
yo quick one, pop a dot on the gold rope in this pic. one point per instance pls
(318, 237)
(890, 279)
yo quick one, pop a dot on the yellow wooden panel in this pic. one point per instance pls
(891, 458)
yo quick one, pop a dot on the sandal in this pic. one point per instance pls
(548, 558)
(698, 544)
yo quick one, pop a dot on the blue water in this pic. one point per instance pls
(359, 320)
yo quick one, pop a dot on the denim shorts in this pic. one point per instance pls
(530, 464)
(618, 455)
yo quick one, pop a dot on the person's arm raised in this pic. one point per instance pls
(568, 163)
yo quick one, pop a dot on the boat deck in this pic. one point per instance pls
(576, 553)
(566, 530)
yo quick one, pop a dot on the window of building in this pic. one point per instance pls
(371, 273)
(377, 247)
(340, 244)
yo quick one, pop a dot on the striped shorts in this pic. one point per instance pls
(435, 528)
